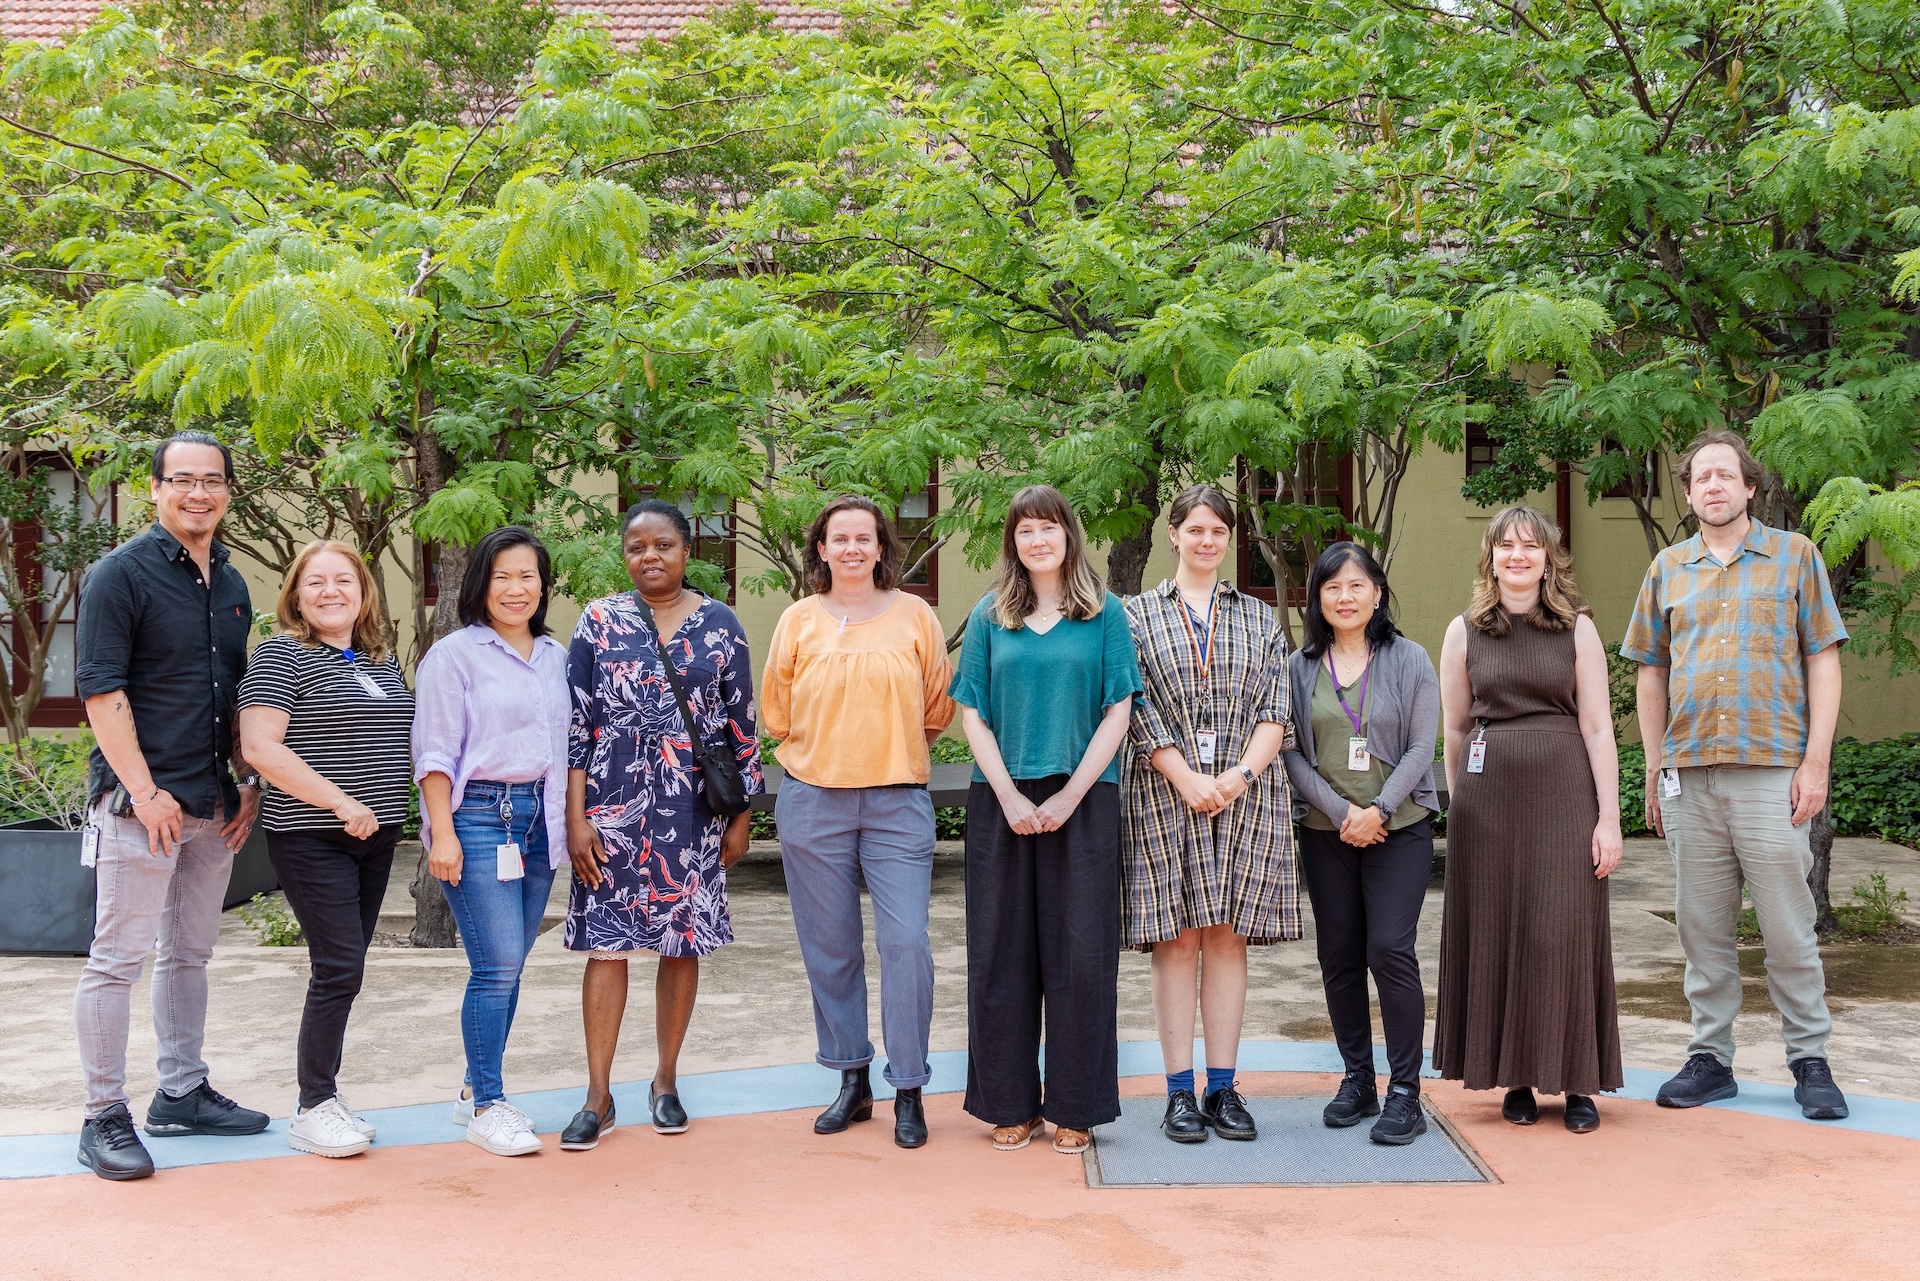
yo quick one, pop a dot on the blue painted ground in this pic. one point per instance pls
(805, 1085)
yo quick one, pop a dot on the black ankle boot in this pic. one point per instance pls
(909, 1119)
(854, 1104)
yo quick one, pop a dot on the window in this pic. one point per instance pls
(430, 574)
(1482, 448)
(60, 705)
(1325, 480)
(913, 521)
(1642, 478)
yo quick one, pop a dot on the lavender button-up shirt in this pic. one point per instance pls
(482, 711)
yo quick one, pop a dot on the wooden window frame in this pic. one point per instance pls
(56, 711)
(1246, 554)
(928, 591)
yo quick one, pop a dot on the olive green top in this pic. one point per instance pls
(1332, 731)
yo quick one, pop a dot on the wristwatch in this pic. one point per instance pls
(1247, 773)
(251, 780)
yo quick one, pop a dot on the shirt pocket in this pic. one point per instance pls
(1766, 624)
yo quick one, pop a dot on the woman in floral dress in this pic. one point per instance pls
(649, 857)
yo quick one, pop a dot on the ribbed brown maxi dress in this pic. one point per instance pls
(1526, 949)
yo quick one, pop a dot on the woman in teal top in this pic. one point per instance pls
(1045, 684)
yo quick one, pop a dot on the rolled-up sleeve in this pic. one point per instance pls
(439, 714)
(103, 643)
(1148, 728)
(1275, 699)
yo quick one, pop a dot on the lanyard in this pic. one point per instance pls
(1202, 651)
(1358, 718)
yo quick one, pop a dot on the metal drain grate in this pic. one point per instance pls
(1294, 1148)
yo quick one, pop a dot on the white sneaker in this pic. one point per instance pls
(359, 1122)
(463, 1108)
(504, 1131)
(326, 1130)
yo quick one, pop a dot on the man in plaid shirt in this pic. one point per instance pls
(1739, 691)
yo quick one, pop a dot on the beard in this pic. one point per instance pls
(1730, 515)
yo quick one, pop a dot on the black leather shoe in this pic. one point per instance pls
(1227, 1113)
(1704, 1079)
(1184, 1121)
(584, 1131)
(1359, 1098)
(668, 1116)
(1813, 1089)
(909, 1119)
(110, 1148)
(1582, 1116)
(1520, 1107)
(854, 1104)
(1402, 1121)
(202, 1111)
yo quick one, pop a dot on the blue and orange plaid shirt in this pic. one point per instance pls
(1736, 638)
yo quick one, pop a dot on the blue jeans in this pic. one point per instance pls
(499, 920)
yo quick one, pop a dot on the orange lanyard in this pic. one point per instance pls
(1203, 654)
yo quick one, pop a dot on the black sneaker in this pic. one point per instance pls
(1813, 1089)
(1358, 1099)
(1227, 1113)
(204, 1110)
(1184, 1121)
(110, 1148)
(1703, 1080)
(1402, 1121)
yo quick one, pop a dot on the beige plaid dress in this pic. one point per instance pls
(1182, 869)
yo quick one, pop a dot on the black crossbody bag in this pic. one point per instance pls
(720, 780)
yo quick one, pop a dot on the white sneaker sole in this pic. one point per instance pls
(473, 1137)
(299, 1144)
(463, 1113)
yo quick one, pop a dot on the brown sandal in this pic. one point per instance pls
(1072, 1142)
(1011, 1138)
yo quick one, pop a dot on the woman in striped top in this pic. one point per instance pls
(324, 715)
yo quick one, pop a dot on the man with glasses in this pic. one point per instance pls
(162, 643)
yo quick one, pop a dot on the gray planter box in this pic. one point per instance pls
(46, 897)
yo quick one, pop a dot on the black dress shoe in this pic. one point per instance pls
(1582, 1116)
(854, 1104)
(1813, 1089)
(203, 1110)
(1402, 1121)
(110, 1148)
(909, 1119)
(1520, 1107)
(1227, 1114)
(1184, 1121)
(1359, 1098)
(1704, 1079)
(584, 1131)
(668, 1116)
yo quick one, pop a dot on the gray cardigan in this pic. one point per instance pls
(1403, 719)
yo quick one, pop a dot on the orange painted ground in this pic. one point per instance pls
(1701, 1195)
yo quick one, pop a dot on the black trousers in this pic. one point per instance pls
(334, 884)
(1043, 939)
(1366, 912)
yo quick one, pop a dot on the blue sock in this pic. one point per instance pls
(1178, 1081)
(1218, 1079)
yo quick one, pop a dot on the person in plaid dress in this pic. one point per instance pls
(1206, 825)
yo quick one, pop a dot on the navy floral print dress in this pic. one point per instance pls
(663, 889)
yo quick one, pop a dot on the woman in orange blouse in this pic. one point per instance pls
(855, 689)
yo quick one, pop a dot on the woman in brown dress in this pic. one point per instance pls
(1533, 829)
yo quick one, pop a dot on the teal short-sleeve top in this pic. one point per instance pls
(1044, 694)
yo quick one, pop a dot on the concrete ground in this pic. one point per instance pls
(404, 1044)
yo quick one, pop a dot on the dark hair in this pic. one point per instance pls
(886, 571)
(1319, 632)
(659, 507)
(190, 438)
(473, 588)
(1750, 471)
(1206, 496)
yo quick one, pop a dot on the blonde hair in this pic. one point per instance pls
(1013, 594)
(369, 638)
(1559, 604)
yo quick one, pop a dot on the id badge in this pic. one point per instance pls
(89, 846)
(1477, 756)
(367, 683)
(1203, 743)
(508, 866)
(1669, 783)
(1357, 757)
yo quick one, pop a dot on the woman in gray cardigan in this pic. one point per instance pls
(1366, 710)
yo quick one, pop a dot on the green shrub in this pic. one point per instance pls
(48, 780)
(949, 821)
(1876, 788)
(272, 923)
(1874, 907)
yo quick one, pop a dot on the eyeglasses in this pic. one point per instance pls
(215, 486)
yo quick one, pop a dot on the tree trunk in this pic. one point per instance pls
(1127, 557)
(432, 919)
(1819, 876)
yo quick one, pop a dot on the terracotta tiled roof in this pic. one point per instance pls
(630, 20)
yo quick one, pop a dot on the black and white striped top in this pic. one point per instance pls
(352, 739)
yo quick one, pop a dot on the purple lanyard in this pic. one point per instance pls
(1364, 673)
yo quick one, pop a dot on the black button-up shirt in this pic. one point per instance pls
(150, 626)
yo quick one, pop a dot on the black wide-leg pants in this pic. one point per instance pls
(1043, 940)
(1366, 912)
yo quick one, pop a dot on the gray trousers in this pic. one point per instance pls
(171, 899)
(1734, 823)
(831, 837)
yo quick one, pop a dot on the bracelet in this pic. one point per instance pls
(150, 798)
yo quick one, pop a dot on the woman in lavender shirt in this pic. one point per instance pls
(490, 754)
